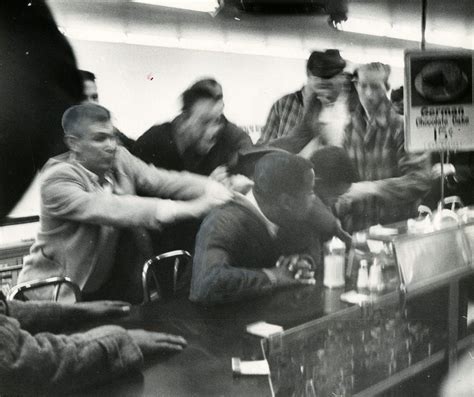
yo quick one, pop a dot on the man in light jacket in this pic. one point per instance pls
(89, 193)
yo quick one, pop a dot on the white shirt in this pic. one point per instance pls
(271, 227)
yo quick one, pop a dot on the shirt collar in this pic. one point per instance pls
(108, 180)
(271, 227)
(381, 117)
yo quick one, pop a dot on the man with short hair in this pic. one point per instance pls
(239, 244)
(392, 182)
(91, 95)
(320, 95)
(89, 194)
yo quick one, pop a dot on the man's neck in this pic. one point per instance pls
(99, 174)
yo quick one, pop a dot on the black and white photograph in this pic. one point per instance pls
(237, 198)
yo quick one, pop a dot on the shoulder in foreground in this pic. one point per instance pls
(231, 212)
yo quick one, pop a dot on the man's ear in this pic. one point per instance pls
(285, 201)
(71, 142)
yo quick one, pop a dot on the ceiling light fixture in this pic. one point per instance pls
(210, 6)
(380, 28)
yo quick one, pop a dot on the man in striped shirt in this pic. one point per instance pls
(392, 181)
(325, 81)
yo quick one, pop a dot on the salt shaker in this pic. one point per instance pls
(363, 276)
(334, 263)
(376, 283)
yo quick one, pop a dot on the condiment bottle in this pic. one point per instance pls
(376, 283)
(334, 263)
(363, 276)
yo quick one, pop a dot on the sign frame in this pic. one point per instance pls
(439, 119)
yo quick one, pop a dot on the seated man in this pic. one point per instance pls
(334, 176)
(88, 195)
(239, 244)
(323, 96)
(33, 361)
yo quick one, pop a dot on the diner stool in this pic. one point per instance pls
(161, 273)
(20, 291)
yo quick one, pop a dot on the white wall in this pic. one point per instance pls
(142, 84)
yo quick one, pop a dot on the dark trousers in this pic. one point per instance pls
(133, 250)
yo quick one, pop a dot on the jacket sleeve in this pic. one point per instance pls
(414, 180)
(413, 169)
(163, 183)
(217, 278)
(65, 196)
(270, 129)
(45, 362)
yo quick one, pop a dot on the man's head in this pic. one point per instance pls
(90, 92)
(334, 173)
(324, 74)
(201, 119)
(396, 96)
(284, 186)
(372, 85)
(89, 134)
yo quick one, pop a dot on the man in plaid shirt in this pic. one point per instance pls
(392, 182)
(324, 80)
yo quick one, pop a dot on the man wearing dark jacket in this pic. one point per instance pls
(239, 245)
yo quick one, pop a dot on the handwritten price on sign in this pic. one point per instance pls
(442, 133)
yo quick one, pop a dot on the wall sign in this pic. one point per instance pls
(439, 111)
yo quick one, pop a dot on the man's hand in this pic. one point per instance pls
(360, 190)
(220, 174)
(448, 169)
(215, 194)
(240, 183)
(100, 309)
(237, 183)
(152, 343)
(343, 235)
(293, 269)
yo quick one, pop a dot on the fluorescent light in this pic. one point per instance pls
(193, 5)
(101, 35)
(384, 29)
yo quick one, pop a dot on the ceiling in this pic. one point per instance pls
(448, 22)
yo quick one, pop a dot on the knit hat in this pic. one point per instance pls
(333, 165)
(280, 172)
(325, 64)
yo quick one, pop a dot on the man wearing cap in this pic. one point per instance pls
(321, 94)
(246, 248)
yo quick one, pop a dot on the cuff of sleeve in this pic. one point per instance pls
(270, 276)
